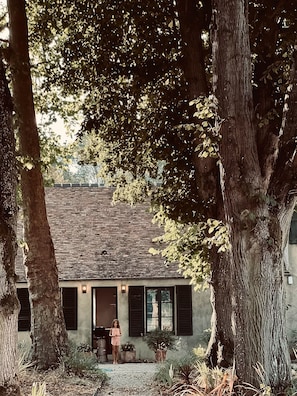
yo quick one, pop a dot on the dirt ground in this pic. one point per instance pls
(133, 379)
(58, 384)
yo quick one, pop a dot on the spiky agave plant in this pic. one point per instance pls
(23, 360)
(217, 381)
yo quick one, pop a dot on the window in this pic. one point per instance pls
(159, 308)
(24, 320)
(69, 302)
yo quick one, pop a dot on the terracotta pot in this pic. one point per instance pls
(128, 356)
(160, 355)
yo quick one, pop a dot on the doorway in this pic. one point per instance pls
(104, 311)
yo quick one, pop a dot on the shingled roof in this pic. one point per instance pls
(95, 239)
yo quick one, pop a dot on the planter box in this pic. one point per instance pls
(128, 356)
(160, 355)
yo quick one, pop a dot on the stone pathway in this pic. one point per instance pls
(133, 379)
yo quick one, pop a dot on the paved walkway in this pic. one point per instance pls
(133, 379)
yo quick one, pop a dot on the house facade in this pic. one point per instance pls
(106, 272)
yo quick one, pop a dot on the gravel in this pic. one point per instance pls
(133, 379)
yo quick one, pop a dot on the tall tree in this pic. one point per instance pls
(9, 305)
(193, 22)
(49, 336)
(257, 182)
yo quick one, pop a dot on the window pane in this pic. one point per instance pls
(159, 306)
(167, 318)
(167, 324)
(152, 309)
(152, 324)
(165, 295)
(166, 309)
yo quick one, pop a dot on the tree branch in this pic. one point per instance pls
(285, 175)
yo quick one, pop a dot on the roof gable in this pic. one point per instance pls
(95, 239)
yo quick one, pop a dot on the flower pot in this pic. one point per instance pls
(160, 355)
(128, 356)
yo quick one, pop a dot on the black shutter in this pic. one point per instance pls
(24, 321)
(136, 311)
(293, 229)
(69, 298)
(184, 310)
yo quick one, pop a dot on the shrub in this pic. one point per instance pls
(185, 367)
(176, 370)
(160, 339)
(84, 348)
(163, 376)
(24, 357)
(128, 347)
(81, 364)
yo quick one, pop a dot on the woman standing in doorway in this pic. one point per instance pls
(115, 334)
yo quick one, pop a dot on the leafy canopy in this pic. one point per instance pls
(123, 61)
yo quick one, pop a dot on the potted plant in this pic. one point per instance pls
(85, 348)
(160, 341)
(128, 352)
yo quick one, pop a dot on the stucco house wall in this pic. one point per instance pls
(291, 293)
(83, 334)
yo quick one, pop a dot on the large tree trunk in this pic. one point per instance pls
(9, 306)
(255, 219)
(221, 344)
(191, 20)
(48, 330)
(259, 305)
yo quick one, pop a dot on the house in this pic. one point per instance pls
(106, 272)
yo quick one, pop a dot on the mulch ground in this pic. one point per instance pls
(58, 383)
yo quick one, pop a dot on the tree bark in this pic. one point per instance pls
(9, 305)
(220, 348)
(48, 330)
(258, 224)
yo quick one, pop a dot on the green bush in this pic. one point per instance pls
(163, 376)
(185, 367)
(160, 339)
(24, 357)
(82, 364)
(179, 369)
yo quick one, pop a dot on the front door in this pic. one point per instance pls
(104, 311)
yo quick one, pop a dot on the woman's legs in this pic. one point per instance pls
(116, 347)
(115, 354)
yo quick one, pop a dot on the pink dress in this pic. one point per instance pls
(115, 334)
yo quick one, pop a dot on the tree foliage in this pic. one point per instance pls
(129, 61)
(135, 96)
(127, 64)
